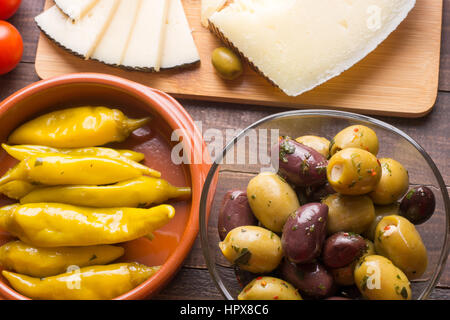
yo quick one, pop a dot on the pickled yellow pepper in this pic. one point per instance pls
(139, 192)
(17, 189)
(22, 152)
(58, 169)
(88, 283)
(58, 225)
(39, 262)
(77, 128)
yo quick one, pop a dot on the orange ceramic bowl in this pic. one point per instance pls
(173, 242)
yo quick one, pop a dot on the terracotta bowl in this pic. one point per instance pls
(173, 242)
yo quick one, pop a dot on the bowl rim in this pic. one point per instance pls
(212, 177)
(176, 117)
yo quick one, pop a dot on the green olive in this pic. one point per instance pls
(272, 200)
(319, 144)
(393, 184)
(269, 288)
(227, 63)
(349, 213)
(353, 171)
(377, 278)
(356, 136)
(380, 213)
(398, 240)
(252, 248)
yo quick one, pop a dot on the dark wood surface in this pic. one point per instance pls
(193, 281)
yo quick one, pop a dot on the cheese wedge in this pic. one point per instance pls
(299, 44)
(113, 46)
(208, 8)
(75, 9)
(179, 46)
(143, 51)
(80, 37)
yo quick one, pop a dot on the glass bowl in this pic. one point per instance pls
(249, 152)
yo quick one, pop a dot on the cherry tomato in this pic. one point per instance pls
(8, 8)
(11, 47)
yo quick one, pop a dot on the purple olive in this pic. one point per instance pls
(418, 205)
(311, 279)
(317, 194)
(301, 165)
(304, 233)
(235, 212)
(342, 248)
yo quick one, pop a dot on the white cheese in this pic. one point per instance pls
(299, 44)
(80, 37)
(208, 8)
(179, 45)
(144, 47)
(76, 9)
(112, 47)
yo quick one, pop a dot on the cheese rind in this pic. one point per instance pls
(330, 36)
(76, 9)
(80, 37)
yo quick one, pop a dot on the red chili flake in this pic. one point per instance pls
(259, 278)
(275, 297)
(374, 173)
(387, 228)
(356, 129)
(263, 283)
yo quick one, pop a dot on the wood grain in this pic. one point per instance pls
(399, 78)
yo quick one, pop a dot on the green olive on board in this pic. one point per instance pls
(356, 136)
(353, 171)
(320, 144)
(393, 184)
(377, 278)
(269, 288)
(398, 240)
(227, 63)
(252, 249)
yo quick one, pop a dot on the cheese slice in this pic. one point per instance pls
(80, 37)
(179, 46)
(208, 8)
(75, 9)
(143, 51)
(113, 46)
(299, 44)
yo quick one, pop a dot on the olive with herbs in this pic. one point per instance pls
(418, 205)
(235, 212)
(299, 164)
(342, 248)
(320, 144)
(357, 136)
(380, 213)
(227, 64)
(353, 171)
(393, 184)
(269, 288)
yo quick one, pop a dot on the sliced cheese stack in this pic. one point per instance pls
(299, 44)
(147, 35)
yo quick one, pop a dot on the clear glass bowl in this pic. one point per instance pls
(226, 174)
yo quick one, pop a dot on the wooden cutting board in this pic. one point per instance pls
(399, 78)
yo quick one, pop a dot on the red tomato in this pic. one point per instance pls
(8, 8)
(11, 47)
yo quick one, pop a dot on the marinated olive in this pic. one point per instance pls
(299, 164)
(356, 136)
(393, 184)
(235, 212)
(380, 212)
(321, 145)
(304, 233)
(252, 248)
(418, 205)
(269, 288)
(349, 213)
(398, 240)
(272, 200)
(353, 171)
(227, 64)
(342, 248)
(379, 279)
(311, 279)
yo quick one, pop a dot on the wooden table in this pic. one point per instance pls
(193, 281)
